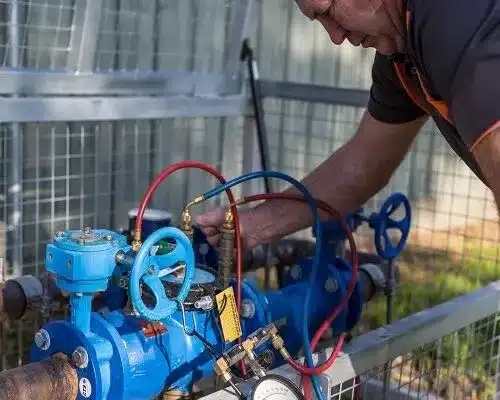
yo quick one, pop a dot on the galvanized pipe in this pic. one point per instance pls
(15, 178)
(51, 379)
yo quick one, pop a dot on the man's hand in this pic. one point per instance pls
(211, 222)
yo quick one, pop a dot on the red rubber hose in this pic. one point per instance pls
(352, 283)
(238, 243)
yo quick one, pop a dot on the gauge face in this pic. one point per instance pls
(273, 387)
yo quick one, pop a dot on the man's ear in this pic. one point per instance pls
(312, 8)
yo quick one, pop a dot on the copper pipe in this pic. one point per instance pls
(51, 379)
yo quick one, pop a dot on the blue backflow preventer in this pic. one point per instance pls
(152, 344)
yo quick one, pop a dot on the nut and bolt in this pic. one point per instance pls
(109, 238)
(80, 357)
(247, 309)
(151, 270)
(42, 339)
(205, 303)
(331, 285)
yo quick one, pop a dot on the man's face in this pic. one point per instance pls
(362, 22)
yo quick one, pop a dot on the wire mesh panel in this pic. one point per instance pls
(460, 365)
(86, 174)
(60, 175)
(128, 34)
(167, 34)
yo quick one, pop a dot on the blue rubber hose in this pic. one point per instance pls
(315, 265)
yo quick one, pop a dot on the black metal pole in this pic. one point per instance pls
(248, 56)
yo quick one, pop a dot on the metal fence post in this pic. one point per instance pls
(15, 176)
(84, 37)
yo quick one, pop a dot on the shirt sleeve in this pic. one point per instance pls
(388, 101)
(475, 94)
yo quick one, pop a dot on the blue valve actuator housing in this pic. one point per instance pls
(84, 261)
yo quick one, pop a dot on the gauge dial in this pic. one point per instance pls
(275, 387)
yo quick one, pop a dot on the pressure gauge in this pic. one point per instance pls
(275, 387)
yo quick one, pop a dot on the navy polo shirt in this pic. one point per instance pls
(451, 72)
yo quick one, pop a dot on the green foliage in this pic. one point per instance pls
(429, 281)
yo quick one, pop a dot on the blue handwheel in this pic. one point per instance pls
(146, 269)
(382, 221)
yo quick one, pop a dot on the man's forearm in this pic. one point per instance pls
(339, 181)
(346, 180)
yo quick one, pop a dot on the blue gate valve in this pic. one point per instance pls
(150, 269)
(382, 221)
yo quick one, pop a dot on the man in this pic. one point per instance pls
(435, 58)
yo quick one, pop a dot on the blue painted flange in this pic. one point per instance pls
(96, 376)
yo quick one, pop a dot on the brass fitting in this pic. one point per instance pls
(193, 202)
(136, 243)
(228, 220)
(175, 395)
(221, 368)
(186, 225)
(279, 345)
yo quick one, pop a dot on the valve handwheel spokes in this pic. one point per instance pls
(383, 221)
(146, 269)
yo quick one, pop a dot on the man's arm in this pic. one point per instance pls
(350, 177)
(356, 171)
(487, 154)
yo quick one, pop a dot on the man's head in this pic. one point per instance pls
(369, 23)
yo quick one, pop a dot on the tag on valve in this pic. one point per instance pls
(228, 314)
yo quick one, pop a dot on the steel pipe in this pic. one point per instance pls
(51, 379)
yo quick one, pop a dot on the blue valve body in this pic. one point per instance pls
(330, 286)
(126, 362)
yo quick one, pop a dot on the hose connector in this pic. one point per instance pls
(136, 243)
(228, 220)
(279, 345)
(186, 225)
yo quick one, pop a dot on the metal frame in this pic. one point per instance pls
(373, 349)
(115, 108)
(314, 93)
(37, 83)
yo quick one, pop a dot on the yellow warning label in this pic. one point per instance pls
(229, 317)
